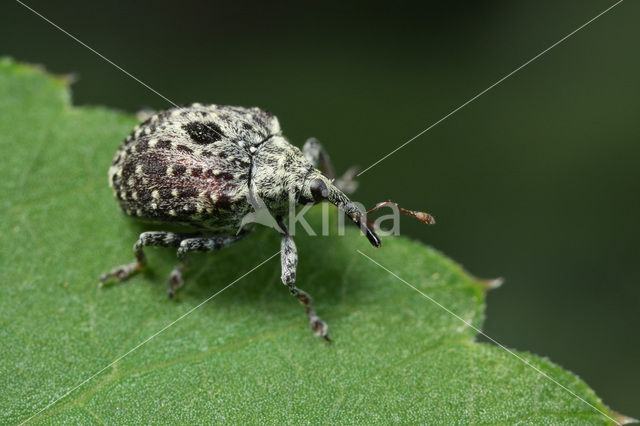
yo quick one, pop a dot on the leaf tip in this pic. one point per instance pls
(624, 420)
(491, 284)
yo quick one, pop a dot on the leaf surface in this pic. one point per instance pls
(248, 354)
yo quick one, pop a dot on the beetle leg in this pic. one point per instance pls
(315, 153)
(158, 239)
(197, 244)
(289, 260)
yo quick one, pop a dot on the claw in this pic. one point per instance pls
(346, 182)
(120, 273)
(320, 328)
(175, 281)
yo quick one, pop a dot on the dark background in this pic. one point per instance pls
(536, 181)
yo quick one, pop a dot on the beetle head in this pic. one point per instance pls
(317, 188)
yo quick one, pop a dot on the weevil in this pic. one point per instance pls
(200, 165)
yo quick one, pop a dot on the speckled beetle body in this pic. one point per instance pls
(200, 165)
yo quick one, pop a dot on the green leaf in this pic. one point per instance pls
(248, 354)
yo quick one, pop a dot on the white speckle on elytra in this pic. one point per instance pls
(155, 194)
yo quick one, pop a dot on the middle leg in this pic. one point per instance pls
(197, 244)
(146, 239)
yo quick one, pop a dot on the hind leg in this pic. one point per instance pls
(315, 153)
(157, 239)
(188, 245)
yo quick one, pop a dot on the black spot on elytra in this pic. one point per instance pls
(142, 145)
(128, 170)
(247, 126)
(152, 166)
(163, 144)
(144, 196)
(165, 193)
(188, 192)
(225, 176)
(223, 201)
(196, 171)
(145, 122)
(207, 154)
(185, 149)
(222, 154)
(179, 170)
(203, 133)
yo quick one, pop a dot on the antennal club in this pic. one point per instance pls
(421, 216)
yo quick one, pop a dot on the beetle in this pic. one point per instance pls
(200, 166)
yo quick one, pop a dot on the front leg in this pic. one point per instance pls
(289, 260)
(315, 153)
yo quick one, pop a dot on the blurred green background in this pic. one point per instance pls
(537, 181)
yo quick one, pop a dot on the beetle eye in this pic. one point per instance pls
(318, 189)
